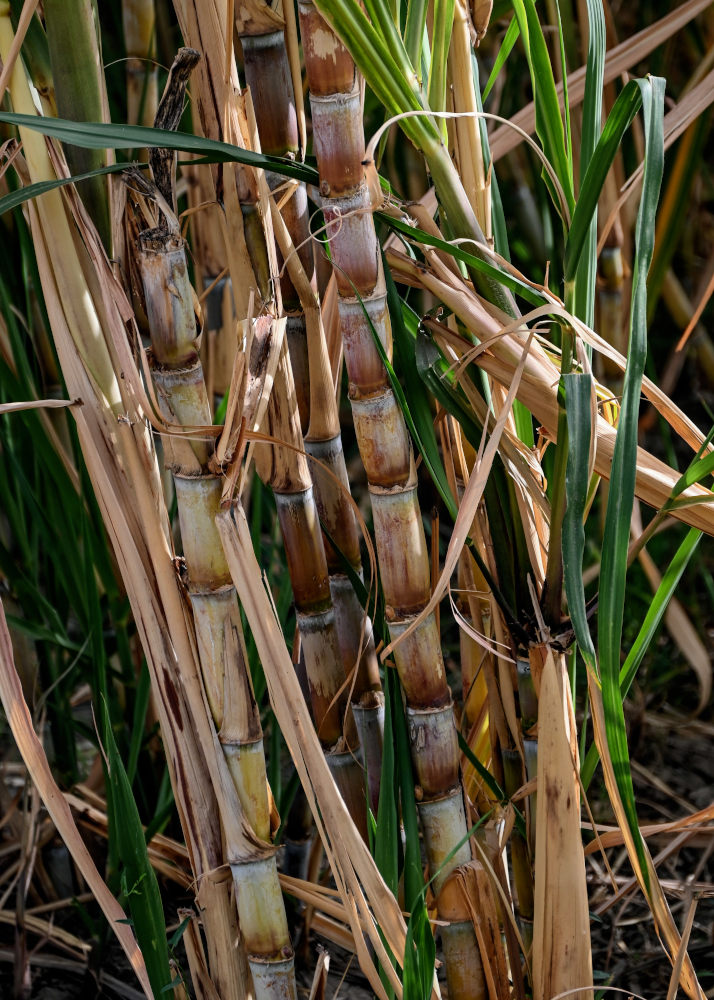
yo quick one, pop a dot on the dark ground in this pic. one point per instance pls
(673, 770)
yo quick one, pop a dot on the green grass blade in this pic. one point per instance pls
(386, 839)
(566, 102)
(98, 135)
(141, 707)
(624, 464)
(419, 950)
(578, 389)
(383, 18)
(441, 38)
(584, 299)
(648, 630)
(657, 608)
(700, 468)
(19, 197)
(386, 833)
(414, 32)
(509, 40)
(419, 954)
(493, 786)
(623, 111)
(549, 123)
(143, 895)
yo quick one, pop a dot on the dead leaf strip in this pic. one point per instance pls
(49, 931)
(28, 11)
(471, 499)
(612, 836)
(39, 404)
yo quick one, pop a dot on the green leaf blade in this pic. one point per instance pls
(624, 464)
(578, 391)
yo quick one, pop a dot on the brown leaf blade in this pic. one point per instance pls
(562, 958)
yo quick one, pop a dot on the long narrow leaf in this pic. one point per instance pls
(648, 630)
(624, 464)
(584, 302)
(99, 135)
(509, 40)
(623, 111)
(441, 37)
(144, 899)
(578, 391)
(549, 124)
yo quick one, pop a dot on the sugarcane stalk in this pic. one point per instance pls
(283, 466)
(385, 448)
(142, 95)
(183, 400)
(265, 58)
(85, 350)
(80, 94)
(277, 110)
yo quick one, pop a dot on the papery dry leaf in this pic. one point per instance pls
(561, 927)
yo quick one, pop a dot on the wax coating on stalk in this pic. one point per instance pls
(464, 967)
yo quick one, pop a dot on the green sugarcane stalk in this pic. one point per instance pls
(80, 94)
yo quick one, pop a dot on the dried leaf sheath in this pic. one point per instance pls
(386, 450)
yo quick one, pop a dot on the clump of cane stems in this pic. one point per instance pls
(387, 456)
(277, 113)
(87, 312)
(183, 400)
(283, 465)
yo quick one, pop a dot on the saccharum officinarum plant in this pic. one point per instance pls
(201, 307)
